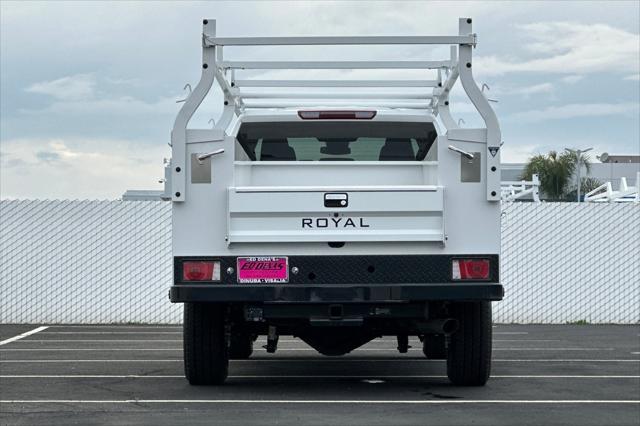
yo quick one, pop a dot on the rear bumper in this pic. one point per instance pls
(336, 293)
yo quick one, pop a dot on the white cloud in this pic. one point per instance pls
(74, 87)
(125, 81)
(520, 153)
(116, 106)
(569, 48)
(78, 168)
(575, 111)
(79, 95)
(572, 79)
(536, 88)
(633, 77)
(525, 91)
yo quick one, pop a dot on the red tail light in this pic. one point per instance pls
(470, 269)
(201, 271)
(337, 115)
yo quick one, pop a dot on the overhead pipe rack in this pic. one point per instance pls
(237, 99)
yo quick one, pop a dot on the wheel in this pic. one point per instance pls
(434, 346)
(241, 346)
(206, 356)
(469, 354)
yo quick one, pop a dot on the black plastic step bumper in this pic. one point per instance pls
(336, 293)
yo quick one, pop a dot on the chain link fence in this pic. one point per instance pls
(86, 262)
(110, 262)
(570, 262)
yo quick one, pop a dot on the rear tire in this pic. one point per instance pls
(241, 346)
(434, 346)
(469, 354)
(206, 355)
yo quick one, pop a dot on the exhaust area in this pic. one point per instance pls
(440, 326)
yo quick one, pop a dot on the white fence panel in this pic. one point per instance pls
(86, 262)
(110, 262)
(567, 262)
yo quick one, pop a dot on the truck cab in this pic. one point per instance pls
(336, 216)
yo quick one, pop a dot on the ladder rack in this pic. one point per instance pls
(625, 193)
(514, 190)
(241, 94)
(225, 71)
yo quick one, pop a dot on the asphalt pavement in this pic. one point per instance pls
(132, 374)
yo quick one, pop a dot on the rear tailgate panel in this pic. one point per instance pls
(372, 214)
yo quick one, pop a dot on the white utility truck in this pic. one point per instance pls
(336, 211)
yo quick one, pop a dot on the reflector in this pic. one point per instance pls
(470, 269)
(201, 271)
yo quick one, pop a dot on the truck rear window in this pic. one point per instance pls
(337, 141)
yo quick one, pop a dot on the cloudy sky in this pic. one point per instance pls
(88, 90)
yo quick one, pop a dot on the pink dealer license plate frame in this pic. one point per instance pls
(263, 270)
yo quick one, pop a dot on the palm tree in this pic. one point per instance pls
(580, 159)
(585, 160)
(588, 184)
(554, 170)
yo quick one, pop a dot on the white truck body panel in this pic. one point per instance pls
(411, 207)
(218, 217)
(336, 216)
(298, 215)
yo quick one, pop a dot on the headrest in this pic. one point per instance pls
(276, 150)
(397, 149)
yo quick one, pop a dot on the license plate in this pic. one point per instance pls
(263, 270)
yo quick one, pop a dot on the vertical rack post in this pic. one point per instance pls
(232, 101)
(179, 132)
(444, 91)
(494, 137)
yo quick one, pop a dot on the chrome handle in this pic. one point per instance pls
(202, 157)
(461, 152)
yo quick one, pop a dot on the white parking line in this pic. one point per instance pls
(259, 341)
(553, 349)
(91, 349)
(320, 401)
(36, 361)
(112, 332)
(308, 360)
(180, 332)
(97, 340)
(426, 360)
(133, 327)
(179, 327)
(416, 341)
(285, 349)
(321, 376)
(23, 335)
(527, 340)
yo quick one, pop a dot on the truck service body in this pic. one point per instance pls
(333, 216)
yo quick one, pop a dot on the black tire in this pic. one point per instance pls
(241, 346)
(206, 355)
(469, 354)
(434, 346)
